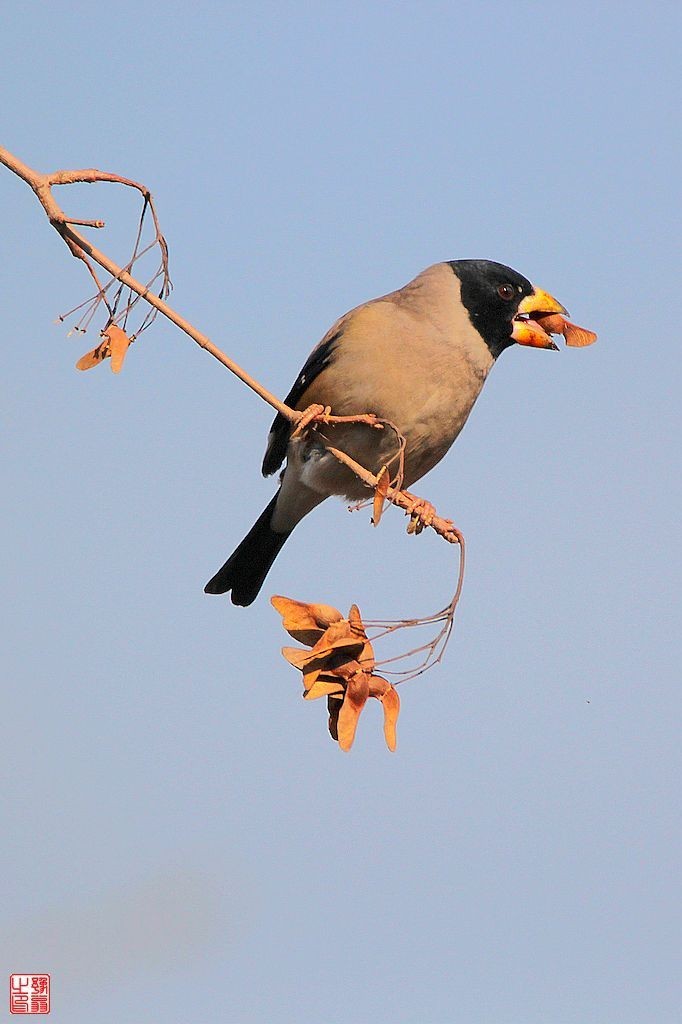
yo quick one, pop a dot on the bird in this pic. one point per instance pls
(417, 357)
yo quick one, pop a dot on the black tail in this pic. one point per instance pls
(246, 568)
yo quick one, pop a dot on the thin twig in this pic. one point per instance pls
(82, 249)
(443, 527)
(79, 245)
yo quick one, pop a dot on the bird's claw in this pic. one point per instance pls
(422, 513)
(313, 414)
(323, 414)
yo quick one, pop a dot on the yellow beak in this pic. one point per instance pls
(526, 330)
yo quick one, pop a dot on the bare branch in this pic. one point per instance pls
(421, 513)
(82, 249)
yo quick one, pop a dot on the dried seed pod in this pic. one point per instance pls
(357, 692)
(94, 356)
(305, 622)
(324, 684)
(552, 323)
(388, 695)
(578, 337)
(119, 343)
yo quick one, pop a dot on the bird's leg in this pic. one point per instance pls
(369, 419)
(323, 414)
(314, 413)
(421, 512)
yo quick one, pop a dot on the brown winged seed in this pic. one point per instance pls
(339, 666)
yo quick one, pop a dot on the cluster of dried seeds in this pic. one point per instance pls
(340, 666)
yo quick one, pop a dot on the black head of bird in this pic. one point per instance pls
(503, 305)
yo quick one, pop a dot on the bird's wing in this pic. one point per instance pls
(280, 431)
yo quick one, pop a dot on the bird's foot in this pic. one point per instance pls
(369, 419)
(421, 512)
(323, 414)
(313, 414)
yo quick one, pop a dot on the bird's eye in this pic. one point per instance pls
(506, 292)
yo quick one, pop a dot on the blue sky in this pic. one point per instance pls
(182, 839)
